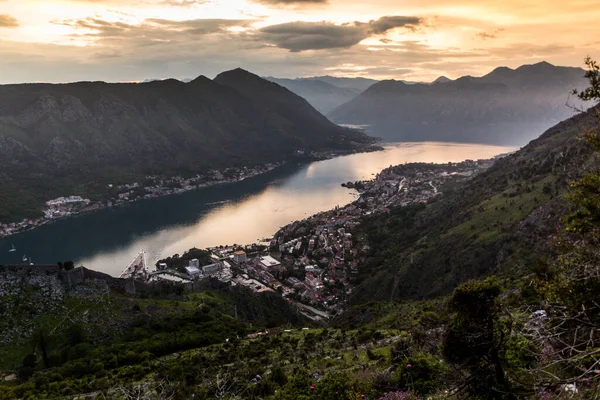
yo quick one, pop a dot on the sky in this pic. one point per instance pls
(416, 40)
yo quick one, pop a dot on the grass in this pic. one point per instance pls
(492, 216)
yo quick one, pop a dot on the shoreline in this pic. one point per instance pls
(32, 224)
(46, 221)
(318, 260)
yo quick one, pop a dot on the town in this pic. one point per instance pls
(314, 262)
(153, 186)
(150, 187)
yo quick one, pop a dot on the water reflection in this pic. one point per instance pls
(226, 214)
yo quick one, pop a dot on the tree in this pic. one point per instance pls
(41, 340)
(475, 339)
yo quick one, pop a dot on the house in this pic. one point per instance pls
(311, 268)
(240, 256)
(292, 281)
(192, 271)
(194, 263)
(212, 268)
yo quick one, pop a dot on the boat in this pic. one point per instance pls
(24, 258)
(137, 268)
(13, 249)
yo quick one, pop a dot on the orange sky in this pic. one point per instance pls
(125, 40)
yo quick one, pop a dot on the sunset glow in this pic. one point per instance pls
(411, 40)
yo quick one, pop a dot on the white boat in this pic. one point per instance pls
(24, 258)
(136, 268)
(13, 249)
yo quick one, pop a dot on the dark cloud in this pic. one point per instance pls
(384, 24)
(7, 21)
(300, 36)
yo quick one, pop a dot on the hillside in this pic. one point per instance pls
(76, 138)
(82, 318)
(507, 107)
(499, 222)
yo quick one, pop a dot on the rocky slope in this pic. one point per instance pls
(506, 106)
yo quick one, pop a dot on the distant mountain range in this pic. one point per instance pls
(506, 106)
(58, 138)
(325, 93)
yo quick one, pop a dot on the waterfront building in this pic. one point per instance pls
(240, 256)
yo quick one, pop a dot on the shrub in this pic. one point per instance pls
(429, 320)
(422, 373)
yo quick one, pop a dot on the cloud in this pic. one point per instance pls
(150, 30)
(299, 36)
(185, 3)
(7, 21)
(117, 44)
(384, 24)
(291, 2)
(493, 35)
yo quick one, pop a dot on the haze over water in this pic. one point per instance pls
(239, 213)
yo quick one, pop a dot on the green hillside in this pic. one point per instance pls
(499, 222)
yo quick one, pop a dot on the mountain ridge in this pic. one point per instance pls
(503, 107)
(56, 137)
(323, 95)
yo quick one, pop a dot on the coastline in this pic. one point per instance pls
(317, 261)
(34, 223)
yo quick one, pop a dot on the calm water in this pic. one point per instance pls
(226, 214)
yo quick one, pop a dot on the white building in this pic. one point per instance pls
(192, 271)
(269, 262)
(195, 263)
(66, 200)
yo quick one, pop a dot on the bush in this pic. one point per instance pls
(422, 373)
(429, 320)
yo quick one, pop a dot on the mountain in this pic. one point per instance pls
(359, 83)
(505, 106)
(325, 93)
(324, 96)
(58, 138)
(499, 222)
(442, 79)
